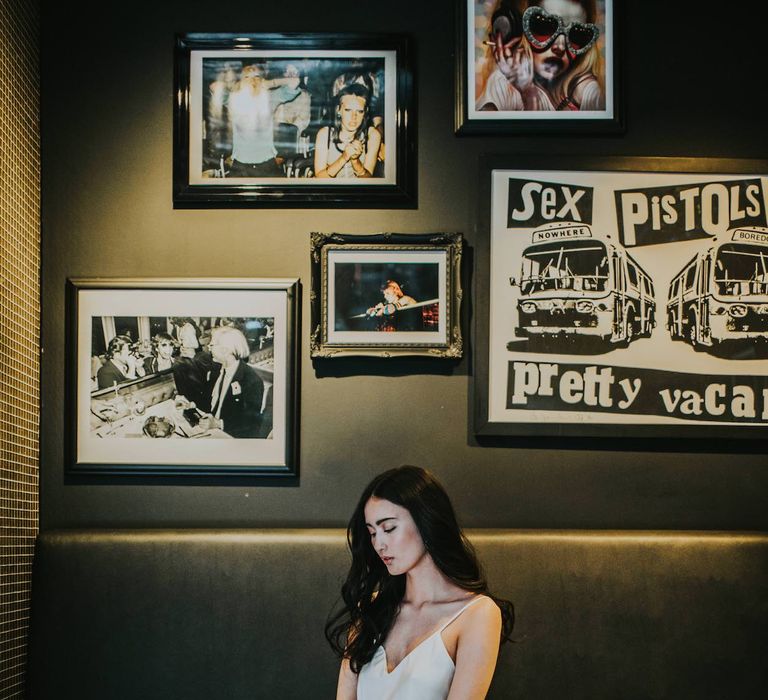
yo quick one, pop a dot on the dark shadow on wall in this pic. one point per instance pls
(384, 366)
(619, 444)
(259, 481)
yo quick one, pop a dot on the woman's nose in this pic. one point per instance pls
(558, 46)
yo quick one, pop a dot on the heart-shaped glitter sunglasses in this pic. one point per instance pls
(541, 29)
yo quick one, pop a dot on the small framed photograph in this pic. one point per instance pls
(623, 297)
(294, 120)
(182, 376)
(386, 295)
(537, 66)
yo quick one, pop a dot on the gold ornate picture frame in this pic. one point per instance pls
(386, 295)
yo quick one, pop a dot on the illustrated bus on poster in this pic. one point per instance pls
(574, 284)
(722, 294)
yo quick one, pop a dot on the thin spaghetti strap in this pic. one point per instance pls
(471, 602)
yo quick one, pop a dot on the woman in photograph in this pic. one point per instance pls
(236, 391)
(543, 56)
(418, 621)
(161, 358)
(350, 147)
(121, 364)
(188, 335)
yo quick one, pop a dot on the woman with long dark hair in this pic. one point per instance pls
(418, 620)
(350, 147)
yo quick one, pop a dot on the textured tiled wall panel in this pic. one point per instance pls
(19, 329)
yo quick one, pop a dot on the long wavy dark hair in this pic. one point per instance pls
(371, 596)
(356, 90)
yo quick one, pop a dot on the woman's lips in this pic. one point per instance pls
(387, 560)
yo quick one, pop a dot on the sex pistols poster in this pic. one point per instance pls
(628, 298)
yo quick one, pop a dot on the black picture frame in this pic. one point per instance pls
(472, 32)
(386, 295)
(112, 415)
(207, 71)
(674, 357)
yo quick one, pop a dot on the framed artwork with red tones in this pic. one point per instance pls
(537, 66)
(386, 295)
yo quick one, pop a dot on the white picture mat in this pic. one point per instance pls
(196, 116)
(161, 302)
(383, 258)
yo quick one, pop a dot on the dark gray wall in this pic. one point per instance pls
(107, 127)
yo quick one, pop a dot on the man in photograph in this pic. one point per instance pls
(296, 111)
(252, 107)
(395, 299)
(235, 389)
(121, 364)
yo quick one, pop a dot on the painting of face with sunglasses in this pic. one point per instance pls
(541, 56)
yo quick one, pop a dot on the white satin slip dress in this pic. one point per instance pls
(425, 673)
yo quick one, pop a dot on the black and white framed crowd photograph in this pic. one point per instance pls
(537, 66)
(276, 120)
(182, 376)
(623, 297)
(386, 295)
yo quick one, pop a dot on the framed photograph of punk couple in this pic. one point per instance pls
(294, 120)
(182, 376)
(537, 66)
(623, 297)
(386, 295)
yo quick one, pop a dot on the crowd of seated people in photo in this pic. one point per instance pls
(210, 366)
(261, 124)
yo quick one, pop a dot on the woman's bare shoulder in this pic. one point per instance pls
(478, 627)
(485, 602)
(482, 612)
